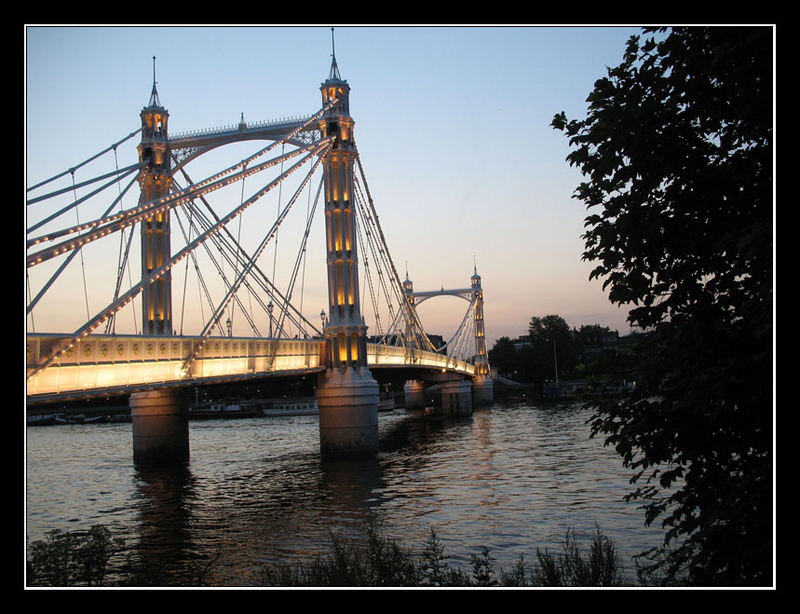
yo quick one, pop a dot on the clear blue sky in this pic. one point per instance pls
(452, 124)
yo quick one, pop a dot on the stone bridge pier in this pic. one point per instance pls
(160, 426)
(458, 396)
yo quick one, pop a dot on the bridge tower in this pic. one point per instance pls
(482, 385)
(408, 289)
(159, 422)
(155, 179)
(347, 394)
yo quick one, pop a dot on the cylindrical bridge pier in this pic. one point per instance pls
(160, 428)
(348, 412)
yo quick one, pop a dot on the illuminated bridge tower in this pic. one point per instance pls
(347, 394)
(482, 385)
(154, 182)
(414, 390)
(160, 424)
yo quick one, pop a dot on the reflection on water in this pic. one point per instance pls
(511, 477)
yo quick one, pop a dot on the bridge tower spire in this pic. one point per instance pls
(155, 178)
(347, 394)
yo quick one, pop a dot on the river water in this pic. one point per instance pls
(511, 477)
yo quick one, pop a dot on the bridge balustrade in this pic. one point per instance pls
(379, 355)
(110, 362)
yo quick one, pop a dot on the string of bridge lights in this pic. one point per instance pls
(319, 149)
(131, 216)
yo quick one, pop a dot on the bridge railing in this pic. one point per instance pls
(111, 362)
(379, 355)
(107, 363)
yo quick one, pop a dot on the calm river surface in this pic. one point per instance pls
(511, 477)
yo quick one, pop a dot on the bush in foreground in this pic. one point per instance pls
(384, 561)
(92, 558)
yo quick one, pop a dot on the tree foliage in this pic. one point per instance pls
(554, 345)
(676, 151)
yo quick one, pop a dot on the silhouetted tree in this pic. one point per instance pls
(503, 356)
(554, 344)
(676, 149)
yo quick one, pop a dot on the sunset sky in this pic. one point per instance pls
(452, 126)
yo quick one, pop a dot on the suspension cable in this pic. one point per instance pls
(262, 279)
(112, 223)
(83, 266)
(83, 184)
(76, 167)
(251, 261)
(72, 254)
(426, 343)
(303, 243)
(101, 316)
(125, 172)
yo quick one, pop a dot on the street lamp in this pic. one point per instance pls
(270, 307)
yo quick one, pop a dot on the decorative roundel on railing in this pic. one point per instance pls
(104, 349)
(87, 350)
(120, 349)
(149, 349)
(136, 348)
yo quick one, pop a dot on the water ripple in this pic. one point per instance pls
(512, 478)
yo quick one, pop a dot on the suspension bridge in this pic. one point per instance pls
(172, 324)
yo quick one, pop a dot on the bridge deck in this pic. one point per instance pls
(114, 364)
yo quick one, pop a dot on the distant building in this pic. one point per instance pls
(596, 339)
(521, 342)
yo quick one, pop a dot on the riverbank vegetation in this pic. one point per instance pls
(373, 559)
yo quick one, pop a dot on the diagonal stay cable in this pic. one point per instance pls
(302, 249)
(123, 300)
(378, 257)
(193, 256)
(108, 224)
(77, 166)
(82, 184)
(248, 266)
(261, 278)
(143, 207)
(72, 254)
(426, 342)
(123, 173)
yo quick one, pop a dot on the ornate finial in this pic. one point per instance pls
(334, 75)
(154, 102)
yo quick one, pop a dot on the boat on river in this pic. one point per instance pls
(293, 408)
(41, 419)
(79, 419)
(225, 409)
